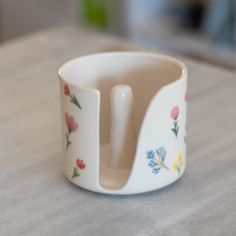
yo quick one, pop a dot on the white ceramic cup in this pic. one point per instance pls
(123, 121)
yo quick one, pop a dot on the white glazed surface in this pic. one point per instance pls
(158, 84)
(122, 136)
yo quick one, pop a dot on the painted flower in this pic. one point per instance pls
(72, 126)
(152, 163)
(175, 166)
(174, 114)
(156, 170)
(150, 154)
(66, 90)
(181, 159)
(80, 165)
(73, 98)
(178, 164)
(161, 152)
(156, 160)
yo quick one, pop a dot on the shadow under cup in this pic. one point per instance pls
(90, 80)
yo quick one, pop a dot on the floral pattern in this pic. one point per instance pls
(80, 165)
(72, 126)
(73, 98)
(178, 164)
(156, 160)
(174, 114)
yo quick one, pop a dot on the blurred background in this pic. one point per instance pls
(201, 29)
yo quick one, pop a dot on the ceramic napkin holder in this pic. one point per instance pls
(123, 121)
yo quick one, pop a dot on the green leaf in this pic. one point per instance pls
(177, 129)
(178, 169)
(68, 142)
(175, 132)
(75, 101)
(75, 173)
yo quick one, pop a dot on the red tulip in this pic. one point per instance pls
(71, 124)
(80, 164)
(174, 113)
(66, 90)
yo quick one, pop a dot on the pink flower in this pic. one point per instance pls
(174, 113)
(80, 164)
(72, 97)
(66, 90)
(71, 124)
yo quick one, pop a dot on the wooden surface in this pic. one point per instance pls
(36, 199)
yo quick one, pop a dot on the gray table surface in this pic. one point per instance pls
(35, 197)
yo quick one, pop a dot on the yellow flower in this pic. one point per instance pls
(175, 166)
(180, 159)
(178, 163)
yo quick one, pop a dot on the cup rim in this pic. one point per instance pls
(153, 55)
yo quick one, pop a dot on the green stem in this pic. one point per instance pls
(68, 142)
(75, 101)
(175, 124)
(176, 128)
(178, 169)
(75, 173)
